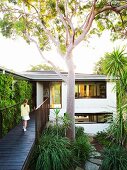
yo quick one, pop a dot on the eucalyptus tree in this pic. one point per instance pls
(64, 23)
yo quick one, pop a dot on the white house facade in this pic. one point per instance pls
(95, 97)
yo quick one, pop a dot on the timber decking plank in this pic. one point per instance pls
(16, 146)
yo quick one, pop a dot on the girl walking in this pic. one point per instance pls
(25, 110)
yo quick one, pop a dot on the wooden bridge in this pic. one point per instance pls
(17, 146)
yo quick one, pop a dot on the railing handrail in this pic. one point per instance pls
(1, 109)
(42, 104)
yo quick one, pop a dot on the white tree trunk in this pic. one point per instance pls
(71, 97)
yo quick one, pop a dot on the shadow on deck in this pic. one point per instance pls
(16, 146)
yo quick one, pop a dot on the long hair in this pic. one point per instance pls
(25, 102)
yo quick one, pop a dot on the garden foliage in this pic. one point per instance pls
(12, 93)
(114, 158)
(56, 152)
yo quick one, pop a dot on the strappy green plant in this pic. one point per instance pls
(54, 153)
(114, 158)
(66, 120)
(115, 65)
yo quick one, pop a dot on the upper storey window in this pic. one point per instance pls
(90, 90)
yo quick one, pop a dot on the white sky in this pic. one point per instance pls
(17, 55)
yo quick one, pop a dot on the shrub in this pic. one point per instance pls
(118, 130)
(79, 131)
(103, 138)
(53, 153)
(55, 130)
(114, 158)
(81, 146)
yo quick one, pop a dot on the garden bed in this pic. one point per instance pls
(97, 145)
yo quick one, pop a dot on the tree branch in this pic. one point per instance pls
(73, 31)
(115, 9)
(48, 33)
(16, 11)
(51, 63)
(31, 5)
(63, 19)
(66, 8)
(122, 7)
(109, 7)
(87, 24)
(110, 22)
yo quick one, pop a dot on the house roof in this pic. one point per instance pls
(52, 75)
(16, 75)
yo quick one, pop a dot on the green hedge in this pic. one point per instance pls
(12, 92)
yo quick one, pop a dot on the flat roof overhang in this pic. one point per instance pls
(16, 75)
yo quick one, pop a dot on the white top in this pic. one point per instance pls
(25, 110)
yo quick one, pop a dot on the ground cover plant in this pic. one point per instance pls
(81, 146)
(56, 152)
(114, 158)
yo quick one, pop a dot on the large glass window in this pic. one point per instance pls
(93, 118)
(55, 95)
(90, 90)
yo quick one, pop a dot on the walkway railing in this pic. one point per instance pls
(42, 117)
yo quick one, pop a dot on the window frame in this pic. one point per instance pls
(88, 84)
(60, 94)
(96, 117)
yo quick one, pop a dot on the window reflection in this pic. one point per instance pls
(90, 90)
(93, 118)
(55, 95)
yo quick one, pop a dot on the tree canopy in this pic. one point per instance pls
(62, 22)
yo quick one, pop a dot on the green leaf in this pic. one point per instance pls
(6, 27)
(20, 25)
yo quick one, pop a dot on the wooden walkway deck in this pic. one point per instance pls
(16, 146)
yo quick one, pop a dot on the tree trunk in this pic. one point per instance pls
(71, 97)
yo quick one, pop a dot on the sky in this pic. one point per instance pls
(18, 56)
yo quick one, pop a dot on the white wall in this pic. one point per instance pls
(92, 105)
(111, 97)
(85, 105)
(39, 96)
(92, 129)
(98, 105)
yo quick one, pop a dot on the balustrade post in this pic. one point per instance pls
(1, 120)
